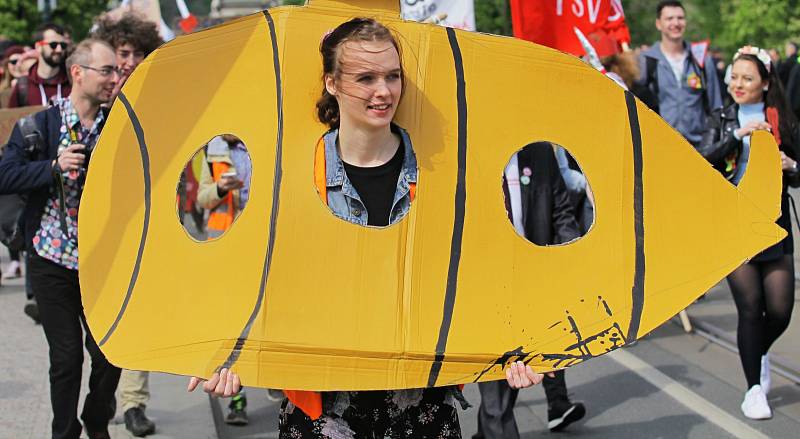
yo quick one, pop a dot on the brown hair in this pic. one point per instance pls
(39, 34)
(129, 29)
(624, 64)
(668, 4)
(357, 29)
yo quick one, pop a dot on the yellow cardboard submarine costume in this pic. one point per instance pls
(292, 297)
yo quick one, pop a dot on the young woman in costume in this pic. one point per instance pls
(762, 288)
(369, 173)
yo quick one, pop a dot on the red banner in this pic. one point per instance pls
(551, 22)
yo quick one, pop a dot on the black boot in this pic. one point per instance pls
(137, 423)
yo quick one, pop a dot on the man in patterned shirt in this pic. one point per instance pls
(53, 177)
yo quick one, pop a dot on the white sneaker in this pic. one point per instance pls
(755, 404)
(766, 380)
(12, 270)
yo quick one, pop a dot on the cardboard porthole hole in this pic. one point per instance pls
(383, 182)
(214, 188)
(530, 187)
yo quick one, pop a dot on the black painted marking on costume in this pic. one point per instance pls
(276, 193)
(460, 206)
(137, 129)
(581, 344)
(608, 310)
(509, 357)
(614, 334)
(605, 305)
(585, 342)
(637, 291)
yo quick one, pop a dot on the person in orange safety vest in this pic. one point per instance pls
(224, 182)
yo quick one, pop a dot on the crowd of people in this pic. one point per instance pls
(717, 108)
(69, 88)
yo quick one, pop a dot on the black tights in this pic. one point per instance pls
(764, 296)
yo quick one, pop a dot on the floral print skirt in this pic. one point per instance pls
(415, 413)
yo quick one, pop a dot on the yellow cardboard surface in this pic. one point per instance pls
(292, 297)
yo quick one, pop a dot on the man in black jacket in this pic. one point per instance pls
(539, 206)
(53, 177)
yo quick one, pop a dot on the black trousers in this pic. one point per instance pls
(58, 294)
(28, 286)
(496, 413)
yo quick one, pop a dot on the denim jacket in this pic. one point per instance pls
(343, 200)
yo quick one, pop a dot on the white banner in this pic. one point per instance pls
(453, 13)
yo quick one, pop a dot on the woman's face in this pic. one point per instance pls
(747, 86)
(15, 64)
(369, 84)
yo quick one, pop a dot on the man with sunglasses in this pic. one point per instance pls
(47, 78)
(53, 177)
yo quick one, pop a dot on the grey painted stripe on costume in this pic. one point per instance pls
(276, 192)
(460, 208)
(137, 129)
(637, 291)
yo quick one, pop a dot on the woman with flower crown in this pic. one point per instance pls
(763, 288)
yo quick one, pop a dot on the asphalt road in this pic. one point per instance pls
(669, 385)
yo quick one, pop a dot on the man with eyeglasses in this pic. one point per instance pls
(47, 78)
(53, 177)
(132, 37)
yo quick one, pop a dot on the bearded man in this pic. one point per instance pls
(48, 77)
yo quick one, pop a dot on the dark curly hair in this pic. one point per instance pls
(129, 29)
(357, 29)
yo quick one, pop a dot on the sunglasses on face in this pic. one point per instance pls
(54, 44)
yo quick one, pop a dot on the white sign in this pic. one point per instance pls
(453, 13)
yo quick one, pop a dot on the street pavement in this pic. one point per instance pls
(25, 393)
(669, 385)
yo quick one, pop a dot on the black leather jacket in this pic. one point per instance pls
(719, 142)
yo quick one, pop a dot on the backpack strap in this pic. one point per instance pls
(649, 94)
(652, 75)
(34, 142)
(703, 84)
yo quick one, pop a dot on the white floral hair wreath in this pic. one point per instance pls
(759, 53)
